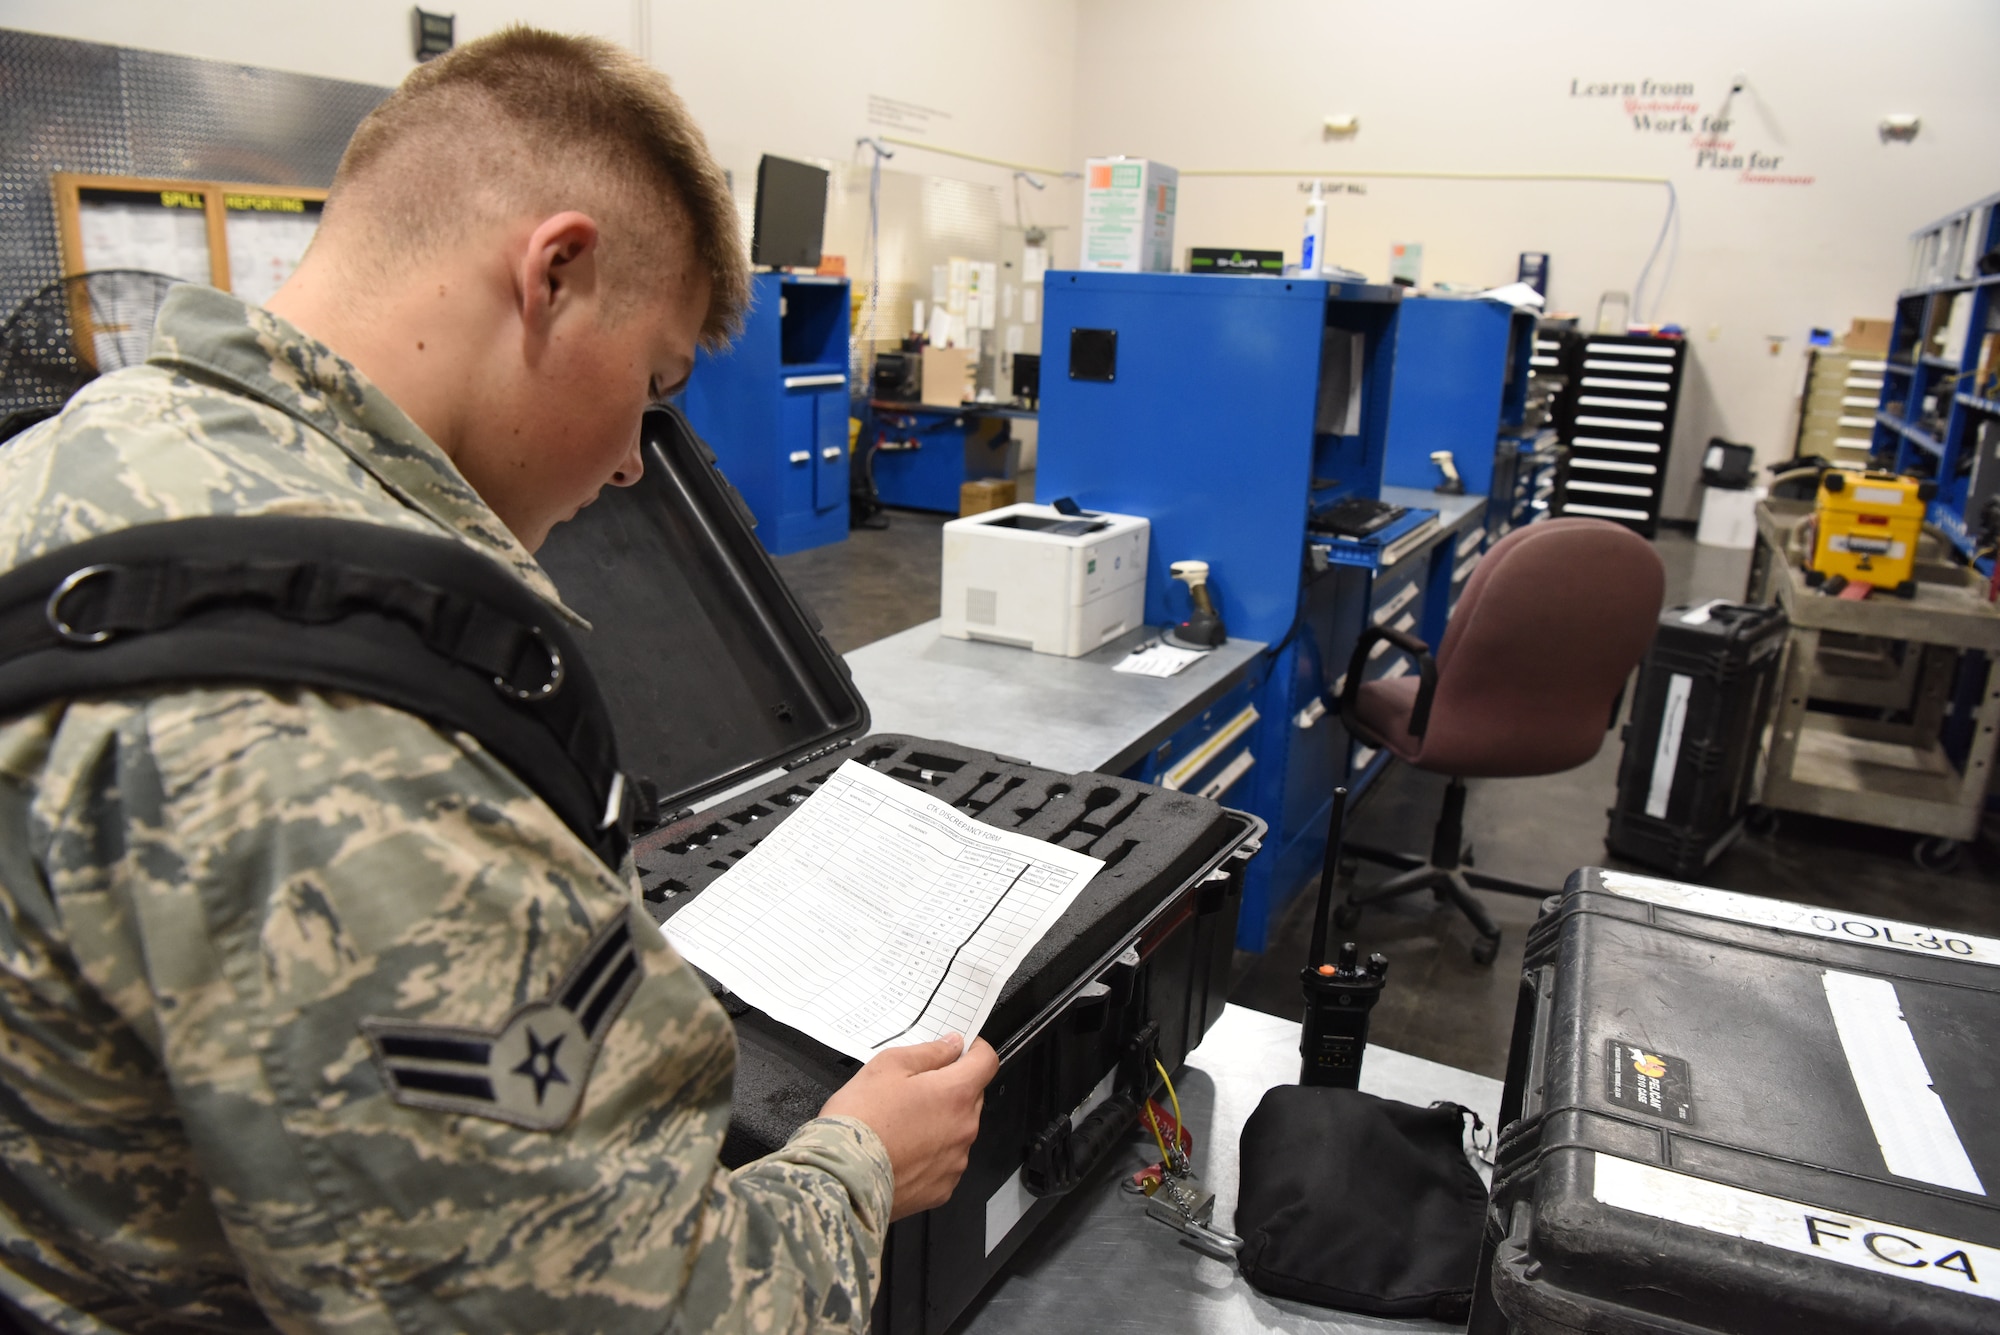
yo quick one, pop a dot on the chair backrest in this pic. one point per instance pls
(1549, 627)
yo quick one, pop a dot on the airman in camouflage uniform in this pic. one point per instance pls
(209, 894)
(313, 1016)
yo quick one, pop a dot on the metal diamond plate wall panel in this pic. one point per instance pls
(83, 107)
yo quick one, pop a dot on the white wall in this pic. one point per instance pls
(1438, 84)
(782, 76)
(1471, 85)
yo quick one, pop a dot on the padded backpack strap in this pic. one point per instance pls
(413, 620)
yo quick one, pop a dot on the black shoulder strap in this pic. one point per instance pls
(413, 620)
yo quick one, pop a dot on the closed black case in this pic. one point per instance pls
(1737, 1115)
(1689, 771)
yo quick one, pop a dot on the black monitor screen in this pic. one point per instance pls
(791, 214)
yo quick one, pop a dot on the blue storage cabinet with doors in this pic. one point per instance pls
(1452, 357)
(774, 408)
(1197, 402)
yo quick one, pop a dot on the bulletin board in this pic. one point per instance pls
(244, 239)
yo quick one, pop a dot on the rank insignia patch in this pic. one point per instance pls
(531, 1071)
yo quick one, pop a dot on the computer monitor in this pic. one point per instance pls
(791, 214)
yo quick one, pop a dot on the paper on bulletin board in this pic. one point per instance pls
(1034, 263)
(264, 248)
(143, 234)
(987, 283)
(940, 330)
(1007, 294)
(1030, 311)
(1012, 339)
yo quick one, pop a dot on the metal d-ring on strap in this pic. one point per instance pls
(548, 688)
(53, 609)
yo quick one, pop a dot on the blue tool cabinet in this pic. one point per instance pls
(774, 409)
(1206, 422)
(1452, 359)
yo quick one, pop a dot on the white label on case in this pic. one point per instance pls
(1911, 1123)
(1803, 919)
(1804, 1230)
(1667, 753)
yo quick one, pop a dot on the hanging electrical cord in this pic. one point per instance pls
(1020, 212)
(1640, 308)
(867, 366)
(975, 157)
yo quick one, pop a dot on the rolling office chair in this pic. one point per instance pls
(1527, 681)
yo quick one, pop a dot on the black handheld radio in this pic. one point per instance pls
(1338, 996)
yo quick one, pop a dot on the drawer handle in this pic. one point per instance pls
(802, 456)
(830, 453)
(813, 381)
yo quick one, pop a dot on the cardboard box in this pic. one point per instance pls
(1128, 215)
(945, 376)
(983, 494)
(1867, 336)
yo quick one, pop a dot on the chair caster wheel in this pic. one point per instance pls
(1346, 914)
(1761, 822)
(1485, 949)
(1348, 867)
(1938, 855)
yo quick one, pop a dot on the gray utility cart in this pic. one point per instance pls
(1901, 660)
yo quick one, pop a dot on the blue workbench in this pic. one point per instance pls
(923, 453)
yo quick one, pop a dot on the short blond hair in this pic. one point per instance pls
(542, 120)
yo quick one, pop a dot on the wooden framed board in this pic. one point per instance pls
(241, 238)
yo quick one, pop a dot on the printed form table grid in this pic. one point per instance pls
(876, 914)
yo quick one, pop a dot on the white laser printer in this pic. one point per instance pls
(1035, 576)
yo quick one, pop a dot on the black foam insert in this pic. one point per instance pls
(1153, 842)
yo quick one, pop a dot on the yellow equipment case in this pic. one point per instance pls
(1866, 527)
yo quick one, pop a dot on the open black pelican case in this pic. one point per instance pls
(718, 677)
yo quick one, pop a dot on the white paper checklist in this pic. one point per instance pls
(876, 915)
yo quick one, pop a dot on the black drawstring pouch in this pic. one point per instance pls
(1360, 1203)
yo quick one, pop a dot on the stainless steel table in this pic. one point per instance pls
(1068, 714)
(1101, 1266)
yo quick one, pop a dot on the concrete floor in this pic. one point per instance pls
(1439, 1004)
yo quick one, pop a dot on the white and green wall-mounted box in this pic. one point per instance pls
(1128, 215)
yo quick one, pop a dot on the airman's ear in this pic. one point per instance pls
(559, 265)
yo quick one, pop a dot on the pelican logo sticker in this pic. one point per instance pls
(1649, 1081)
(532, 1070)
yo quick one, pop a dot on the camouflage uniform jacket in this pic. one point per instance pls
(260, 950)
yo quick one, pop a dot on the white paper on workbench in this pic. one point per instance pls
(876, 915)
